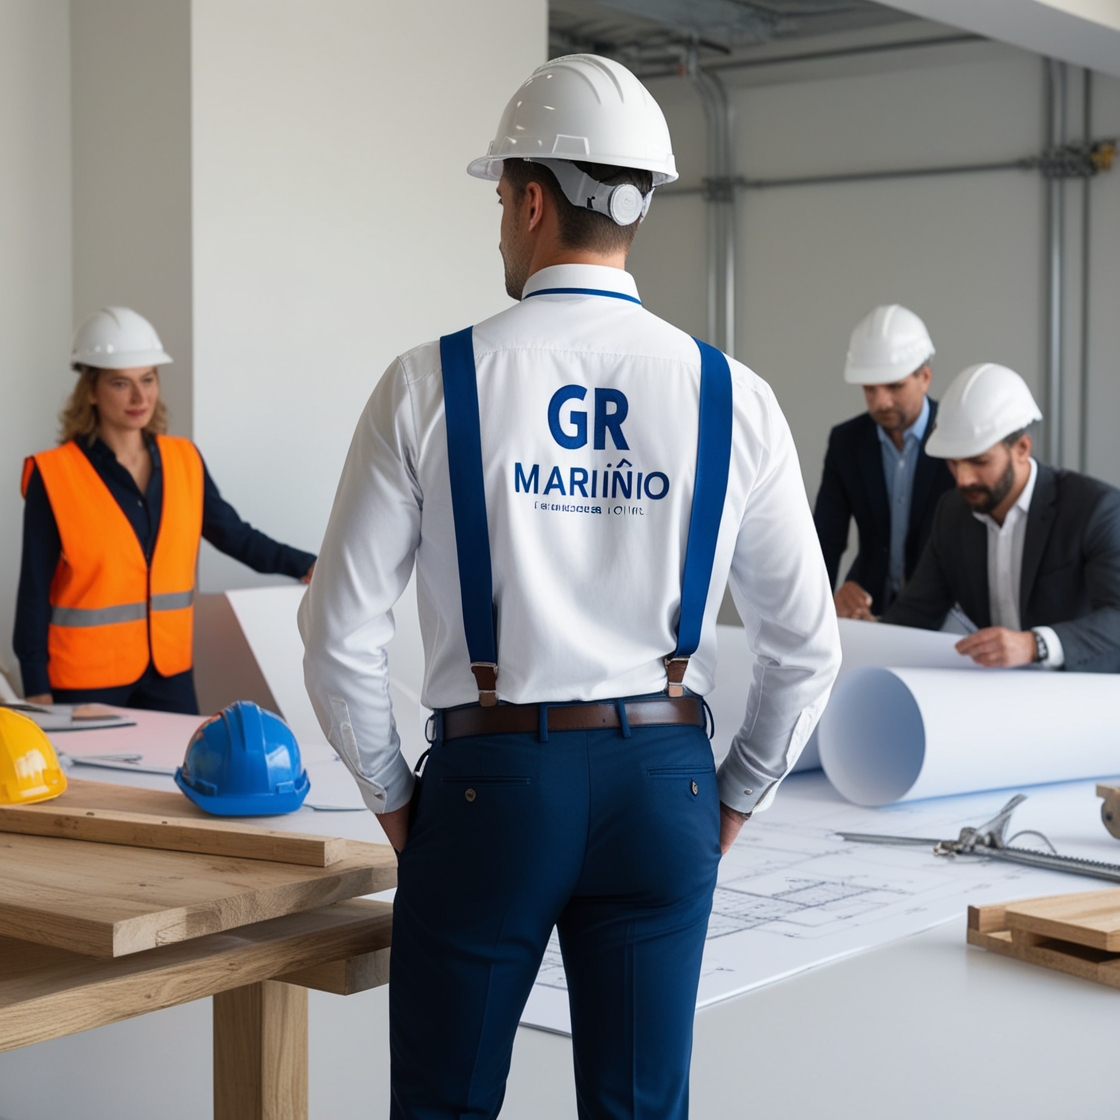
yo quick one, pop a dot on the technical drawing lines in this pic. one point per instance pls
(797, 907)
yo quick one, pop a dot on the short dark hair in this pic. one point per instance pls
(1014, 437)
(581, 229)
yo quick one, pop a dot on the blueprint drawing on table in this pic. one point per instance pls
(792, 895)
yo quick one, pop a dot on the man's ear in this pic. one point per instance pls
(1023, 447)
(533, 204)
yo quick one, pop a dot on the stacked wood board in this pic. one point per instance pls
(1074, 933)
(109, 870)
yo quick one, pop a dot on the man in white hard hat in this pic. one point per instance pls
(575, 481)
(876, 469)
(1030, 554)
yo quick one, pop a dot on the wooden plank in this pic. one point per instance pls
(104, 813)
(345, 977)
(81, 793)
(1090, 918)
(48, 993)
(987, 918)
(108, 900)
(260, 1053)
(1059, 956)
(209, 837)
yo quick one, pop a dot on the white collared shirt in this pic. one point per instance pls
(1005, 569)
(588, 590)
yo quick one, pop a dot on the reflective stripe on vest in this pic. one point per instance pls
(110, 612)
(127, 612)
(468, 500)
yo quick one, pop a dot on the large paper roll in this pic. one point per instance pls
(903, 734)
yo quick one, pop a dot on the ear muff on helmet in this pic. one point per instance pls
(623, 203)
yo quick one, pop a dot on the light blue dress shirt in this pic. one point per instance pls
(898, 471)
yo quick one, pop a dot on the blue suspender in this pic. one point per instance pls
(713, 457)
(468, 503)
(472, 536)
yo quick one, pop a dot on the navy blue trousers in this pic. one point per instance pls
(152, 691)
(612, 840)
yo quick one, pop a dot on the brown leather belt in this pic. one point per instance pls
(505, 719)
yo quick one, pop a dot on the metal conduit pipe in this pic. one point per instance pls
(1086, 137)
(1056, 89)
(1059, 161)
(721, 203)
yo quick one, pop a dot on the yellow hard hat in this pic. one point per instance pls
(29, 769)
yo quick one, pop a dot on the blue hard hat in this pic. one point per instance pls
(244, 762)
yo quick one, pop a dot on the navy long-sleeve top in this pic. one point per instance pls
(42, 546)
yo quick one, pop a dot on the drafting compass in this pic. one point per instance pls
(989, 841)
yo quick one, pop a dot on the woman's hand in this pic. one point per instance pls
(306, 577)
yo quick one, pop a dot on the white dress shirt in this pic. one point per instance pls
(1005, 569)
(588, 590)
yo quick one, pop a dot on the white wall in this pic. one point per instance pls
(132, 172)
(966, 253)
(34, 257)
(334, 224)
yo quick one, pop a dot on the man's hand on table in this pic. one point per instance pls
(853, 602)
(40, 698)
(730, 822)
(999, 648)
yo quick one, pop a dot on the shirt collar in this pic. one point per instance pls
(597, 277)
(1022, 503)
(917, 430)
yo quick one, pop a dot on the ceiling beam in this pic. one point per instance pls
(1084, 32)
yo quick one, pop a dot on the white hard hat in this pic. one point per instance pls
(587, 108)
(984, 404)
(887, 345)
(117, 338)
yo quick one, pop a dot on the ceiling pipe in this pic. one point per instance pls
(668, 69)
(720, 197)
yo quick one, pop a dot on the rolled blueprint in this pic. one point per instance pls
(903, 734)
(877, 643)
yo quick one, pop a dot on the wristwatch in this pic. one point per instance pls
(1042, 651)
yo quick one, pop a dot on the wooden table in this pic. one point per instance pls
(72, 967)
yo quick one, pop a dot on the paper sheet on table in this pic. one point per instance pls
(903, 734)
(792, 895)
(69, 717)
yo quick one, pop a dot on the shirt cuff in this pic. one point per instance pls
(1055, 655)
(740, 791)
(391, 790)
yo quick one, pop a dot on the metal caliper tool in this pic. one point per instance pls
(990, 842)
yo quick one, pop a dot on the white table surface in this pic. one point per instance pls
(922, 1028)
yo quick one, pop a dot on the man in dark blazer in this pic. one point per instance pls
(1029, 554)
(876, 468)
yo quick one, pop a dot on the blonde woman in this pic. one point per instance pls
(113, 518)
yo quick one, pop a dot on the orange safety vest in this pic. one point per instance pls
(110, 611)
